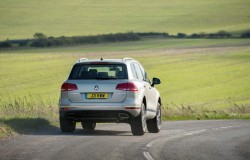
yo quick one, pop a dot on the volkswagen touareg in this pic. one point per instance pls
(110, 90)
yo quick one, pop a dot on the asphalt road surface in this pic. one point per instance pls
(212, 139)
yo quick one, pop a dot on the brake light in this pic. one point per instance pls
(127, 87)
(68, 87)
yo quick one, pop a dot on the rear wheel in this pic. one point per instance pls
(154, 125)
(138, 124)
(90, 126)
(67, 125)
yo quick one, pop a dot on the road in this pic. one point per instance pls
(211, 139)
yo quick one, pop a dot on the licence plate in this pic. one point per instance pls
(97, 95)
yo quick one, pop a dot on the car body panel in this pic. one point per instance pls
(119, 103)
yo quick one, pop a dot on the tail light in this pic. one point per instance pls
(127, 87)
(68, 87)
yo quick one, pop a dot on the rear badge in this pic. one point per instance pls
(96, 87)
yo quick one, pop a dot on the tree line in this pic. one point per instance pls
(41, 40)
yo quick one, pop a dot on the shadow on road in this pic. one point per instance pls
(97, 132)
(41, 126)
(26, 125)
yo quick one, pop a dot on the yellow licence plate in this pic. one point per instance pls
(97, 95)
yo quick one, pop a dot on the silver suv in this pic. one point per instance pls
(110, 90)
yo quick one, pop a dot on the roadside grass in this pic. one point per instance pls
(21, 19)
(25, 114)
(210, 83)
(15, 126)
(201, 79)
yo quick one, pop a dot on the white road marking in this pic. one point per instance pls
(194, 132)
(148, 156)
(190, 133)
(150, 144)
(215, 128)
(227, 127)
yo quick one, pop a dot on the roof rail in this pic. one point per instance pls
(127, 59)
(82, 59)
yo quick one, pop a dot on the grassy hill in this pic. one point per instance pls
(21, 19)
(201, 78)
(203, 74)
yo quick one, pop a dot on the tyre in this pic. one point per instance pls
(138, 124)
(154, 125)
(90, 126)
(67, 125)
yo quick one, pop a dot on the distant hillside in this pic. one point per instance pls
(22, 18)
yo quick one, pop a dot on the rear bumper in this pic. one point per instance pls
(97, 115)
(99, 112)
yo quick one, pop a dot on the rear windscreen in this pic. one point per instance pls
(99, 71)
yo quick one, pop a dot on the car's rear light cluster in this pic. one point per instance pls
(127, 87)
(68, 87)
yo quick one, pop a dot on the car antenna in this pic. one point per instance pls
(101, 58)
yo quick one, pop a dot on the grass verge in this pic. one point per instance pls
(26, 114)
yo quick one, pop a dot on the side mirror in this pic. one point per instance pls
(155, 81)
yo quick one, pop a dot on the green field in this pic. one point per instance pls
(201, 79)
(201, 73)
(21, 19)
